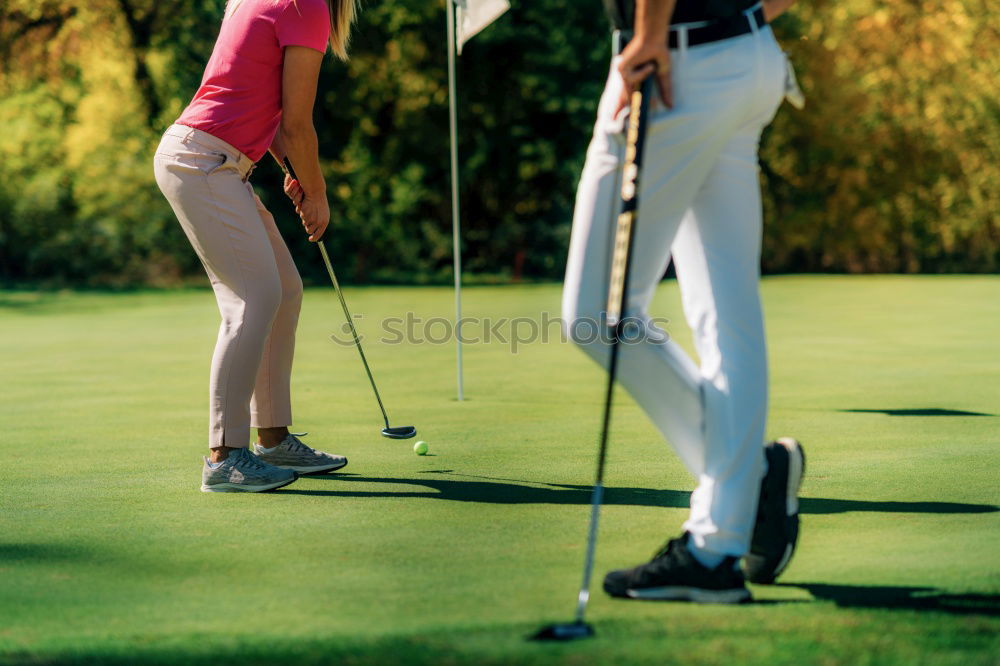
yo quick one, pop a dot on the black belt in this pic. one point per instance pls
(715, 31)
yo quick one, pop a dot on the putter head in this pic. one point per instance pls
(563, 632)
(399, 432)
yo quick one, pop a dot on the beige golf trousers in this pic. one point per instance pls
(256, 284)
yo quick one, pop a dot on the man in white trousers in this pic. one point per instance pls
(721, 77)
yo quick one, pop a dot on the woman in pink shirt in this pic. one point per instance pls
(256, 96)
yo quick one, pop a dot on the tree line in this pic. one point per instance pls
(893, 166)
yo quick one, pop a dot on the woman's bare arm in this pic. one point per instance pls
(291, 186)
(277, 148)
(297, 136)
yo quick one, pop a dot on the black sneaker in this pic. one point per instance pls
(777, 527)
(675, 575)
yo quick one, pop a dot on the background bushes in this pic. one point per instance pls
(893, 166)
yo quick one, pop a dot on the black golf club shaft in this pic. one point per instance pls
(347, 313)
(616, 307)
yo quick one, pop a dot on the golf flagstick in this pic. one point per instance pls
(399, 432)
(456, 213)
(471, 15)
(616, 308)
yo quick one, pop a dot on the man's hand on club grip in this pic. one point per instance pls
(639, 60)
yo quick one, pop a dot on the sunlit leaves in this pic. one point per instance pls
(893, 166)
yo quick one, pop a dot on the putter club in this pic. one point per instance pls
(617, 291)
(398, 432)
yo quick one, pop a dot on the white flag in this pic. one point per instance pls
(474, 15)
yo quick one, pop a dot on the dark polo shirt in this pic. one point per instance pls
(688, 11)
(622, 12)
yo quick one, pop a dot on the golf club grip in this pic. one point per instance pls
(631, 173)
(289, 170)
(291, 174)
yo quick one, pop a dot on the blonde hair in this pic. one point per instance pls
(342, 15)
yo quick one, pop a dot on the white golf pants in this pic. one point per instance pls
(700, 204)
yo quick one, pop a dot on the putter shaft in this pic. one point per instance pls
(354, 331)
(617, 297)
(347, 313)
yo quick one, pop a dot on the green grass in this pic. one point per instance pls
(108, 552)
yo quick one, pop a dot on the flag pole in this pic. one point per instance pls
(456, 223)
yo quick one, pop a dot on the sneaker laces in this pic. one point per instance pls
(296, 445)
(666, 548)
(247, 460)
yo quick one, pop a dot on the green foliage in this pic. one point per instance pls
(892, 167)
(894, 164)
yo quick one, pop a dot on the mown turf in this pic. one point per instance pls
(108, 553)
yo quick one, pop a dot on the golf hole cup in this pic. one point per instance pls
(420, 448)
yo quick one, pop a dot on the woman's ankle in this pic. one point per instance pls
(218, 454)
(271, 437)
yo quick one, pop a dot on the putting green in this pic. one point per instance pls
(108, 552)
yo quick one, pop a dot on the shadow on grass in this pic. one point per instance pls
(905, 598)
(500, 492)
(618, 641)
(436, 649)
(491, 490)
(926, 411)
(81, 299)
(30, 552)
(26, 299)
(15, 299)
(831, 505)
(56, 301)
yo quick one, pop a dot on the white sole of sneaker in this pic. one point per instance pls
(244, 488)
(796, 468)
(695, 594)
(316, 469)
(783, 562)
(796, 465)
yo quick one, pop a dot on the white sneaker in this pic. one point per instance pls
(292, 454)
(243, 472)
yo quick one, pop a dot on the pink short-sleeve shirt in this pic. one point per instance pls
(239, 100)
